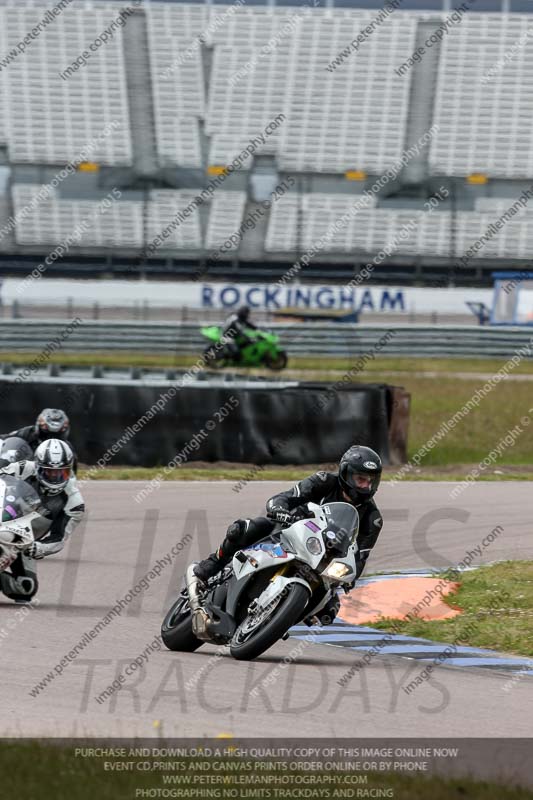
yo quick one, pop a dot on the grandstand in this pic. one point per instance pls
(181, 90)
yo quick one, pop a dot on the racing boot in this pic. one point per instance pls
(210, 566)
(216, 562)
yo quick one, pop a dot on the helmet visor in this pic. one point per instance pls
(55, 476)
(361, 482)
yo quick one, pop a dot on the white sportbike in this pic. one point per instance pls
(269, 587)
(19, 504)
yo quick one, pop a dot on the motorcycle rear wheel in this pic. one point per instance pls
(176, 630)
(286, 614)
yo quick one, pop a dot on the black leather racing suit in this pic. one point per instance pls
(235, 334)
(319, 488)
(324, 487)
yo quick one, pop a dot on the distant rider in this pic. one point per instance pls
(51, 423)
(355, 482)
(62, 509)
(14, 449)
(235, 331)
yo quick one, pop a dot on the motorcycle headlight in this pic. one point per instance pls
(337, 570)
(314, 546)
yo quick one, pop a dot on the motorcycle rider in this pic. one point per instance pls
(52, 423)
(235, 329)
(62, 508)
(355, 482)
(14, 449)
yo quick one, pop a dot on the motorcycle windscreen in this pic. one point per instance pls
(17, 498)
(343, 525)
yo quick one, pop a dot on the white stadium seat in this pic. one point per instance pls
(51, 120)
(218, 74)
(163, 209)
(226, 214)
(483, 99)
(53, 220)
(177, 80)
(406, 232)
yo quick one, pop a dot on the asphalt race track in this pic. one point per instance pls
(195, 694)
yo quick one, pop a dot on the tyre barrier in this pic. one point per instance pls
(147, 422)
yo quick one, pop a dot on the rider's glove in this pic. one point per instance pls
(301, 512)
(281, 515)
(288, 517)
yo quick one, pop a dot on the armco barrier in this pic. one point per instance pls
(273, 422)
(299, 339)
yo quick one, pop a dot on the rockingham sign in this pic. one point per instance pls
(228, 296)
(273, 298)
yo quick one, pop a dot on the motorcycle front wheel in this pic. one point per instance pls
(278, 361)
(214, 358)
(176, 630)
(258, 632)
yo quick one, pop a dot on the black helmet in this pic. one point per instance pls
(243, 313)
(360, 473)
(54, 459)
(52, 423)
(15, 449)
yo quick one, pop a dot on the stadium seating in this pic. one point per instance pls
(226, 214)
(354, 116)
(267, 60)
(498, 205)
(405, 232)
(53, 220)
(297, 222)
(177, 80)
(350, 117)
(51, 120)
(248, 84)
(218, 74)
(483, 99)
(162, 210)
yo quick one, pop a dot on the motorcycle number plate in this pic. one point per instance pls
(274, 550)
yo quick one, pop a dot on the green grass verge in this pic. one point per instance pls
(320, 364)
(31, 770)
(247, 473)
(434, 400)
(497, 611)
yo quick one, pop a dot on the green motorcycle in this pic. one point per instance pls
(262, 350)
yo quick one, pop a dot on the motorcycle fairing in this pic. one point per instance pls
(244, 572)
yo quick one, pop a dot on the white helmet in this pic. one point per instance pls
(54, 459)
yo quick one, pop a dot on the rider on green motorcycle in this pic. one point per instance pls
(235, 329)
